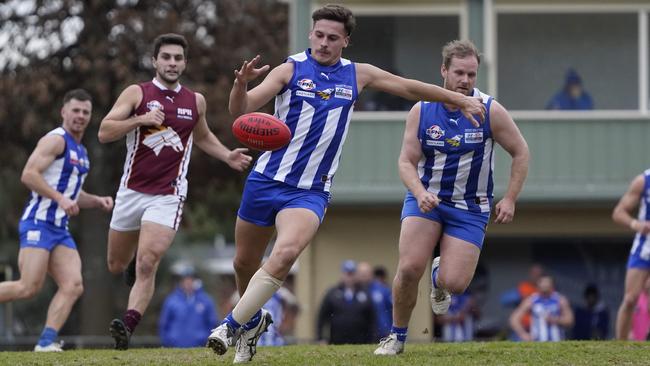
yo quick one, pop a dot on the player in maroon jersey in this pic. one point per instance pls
(160, 120)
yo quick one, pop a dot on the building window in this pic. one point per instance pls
(407, 45)
(536, 53)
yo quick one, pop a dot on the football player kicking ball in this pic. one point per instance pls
(289, 188)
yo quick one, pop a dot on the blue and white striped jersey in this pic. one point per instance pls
(457, 158)
(542, 307)
(66, 174)
(317, 105)
(641, 246)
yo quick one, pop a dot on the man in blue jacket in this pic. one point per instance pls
(188, 314)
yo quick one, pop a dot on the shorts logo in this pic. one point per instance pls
(154, 104)
(454, 141)
(344, 93)
(306, 84)
(473, 137)
(184, 113)
(33, 236)
(306, 94)
(435, 132)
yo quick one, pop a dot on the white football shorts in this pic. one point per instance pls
(132, 207)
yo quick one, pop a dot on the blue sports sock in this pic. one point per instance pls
(255, 320)
(232, 323)
(47, 337)
(434, 277)
(400, 332)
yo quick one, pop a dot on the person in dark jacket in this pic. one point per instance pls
(188, 314)
(573, 96)
(346, 311)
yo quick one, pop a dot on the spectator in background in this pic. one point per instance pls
(188, 313)
(514, 296)
(592, 319)
(458, 323)
(572, 96)
(641, 316)
(346, 311)
(380, 294)
(550, 314)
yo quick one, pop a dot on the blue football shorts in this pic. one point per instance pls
(640, 253)
(264, 197)
(462, 224)
(43, 235)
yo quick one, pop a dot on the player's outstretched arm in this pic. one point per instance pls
(88, 200)
(118, 122)
(210, 144)
(408, 161)
(373, 77)
(622, 213)
(507, 135)
(242, 100)
(46, 151)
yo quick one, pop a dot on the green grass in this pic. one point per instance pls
(492, 353)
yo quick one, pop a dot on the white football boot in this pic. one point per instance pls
(440, 298)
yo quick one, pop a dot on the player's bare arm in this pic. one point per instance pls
(622, 213)
(408, 161)
(507, 134)
(566, 314)
(210, 144)
(242, 100)
(517, 315)
(47, 149)
(88, 200)
(375, 78)
(118, 122)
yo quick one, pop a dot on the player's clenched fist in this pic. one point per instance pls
(154, 117)
(427, 201)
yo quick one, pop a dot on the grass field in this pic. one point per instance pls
(492, 353)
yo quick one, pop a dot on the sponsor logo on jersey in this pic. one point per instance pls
(473, 136)
(33, 236)
(184, 113)
(325, 94)
(306, 94)
(454, 141)
(154, 104)
(156, 138)
(306, 84)
(343, 93)
(454, 121)
(435, 132)
(435, 143)
(74, 158)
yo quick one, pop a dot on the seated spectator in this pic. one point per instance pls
(572, 96)
(188, 313)
(592, 319)
(550, 314)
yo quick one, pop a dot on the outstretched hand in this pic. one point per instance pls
(471, 107)
(249, 72)
(238, 160)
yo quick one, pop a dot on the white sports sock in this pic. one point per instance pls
(260, 289)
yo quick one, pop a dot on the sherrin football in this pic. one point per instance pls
(261, 131)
